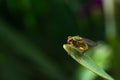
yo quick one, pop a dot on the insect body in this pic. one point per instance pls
(79, 42)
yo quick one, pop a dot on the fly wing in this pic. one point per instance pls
(89, 42)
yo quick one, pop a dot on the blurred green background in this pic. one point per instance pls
(32, 33)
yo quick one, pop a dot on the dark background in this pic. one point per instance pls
(32, 33)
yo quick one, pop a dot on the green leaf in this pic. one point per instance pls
(86, 61)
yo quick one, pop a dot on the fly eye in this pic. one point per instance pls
(69, 39)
